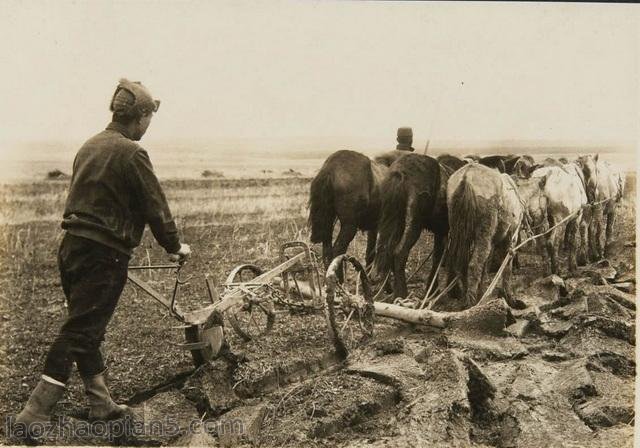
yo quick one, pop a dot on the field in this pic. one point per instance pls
(568, 380)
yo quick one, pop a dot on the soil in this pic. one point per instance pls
(563, 375)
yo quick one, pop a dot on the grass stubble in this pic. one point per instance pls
(227, 222)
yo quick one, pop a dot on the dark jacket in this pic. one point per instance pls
(404, 147)
(114, 193)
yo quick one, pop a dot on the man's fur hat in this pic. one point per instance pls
(132, 98)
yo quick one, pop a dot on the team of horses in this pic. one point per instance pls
(477, 208)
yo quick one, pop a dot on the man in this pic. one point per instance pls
(405, 139)
(113, 194)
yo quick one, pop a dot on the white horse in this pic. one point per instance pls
(485, 210)
(605, 187)
(563, 194)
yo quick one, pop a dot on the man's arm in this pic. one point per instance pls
(153, 201)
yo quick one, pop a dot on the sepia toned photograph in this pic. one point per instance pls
(318, 223)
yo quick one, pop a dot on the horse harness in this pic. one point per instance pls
(589, 204)
(526, 217)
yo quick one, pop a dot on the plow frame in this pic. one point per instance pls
(204, 327)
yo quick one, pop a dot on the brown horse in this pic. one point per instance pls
(347, 188)
(451, 162)
(520, 166)
(497, 162)
(413, 199)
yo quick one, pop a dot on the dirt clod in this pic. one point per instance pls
(211, 388)
(248, 419)
(562, 375)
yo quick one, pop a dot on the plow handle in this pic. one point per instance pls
(170, 304)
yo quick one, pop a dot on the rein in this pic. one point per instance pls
(594, 203)
(448, 170)
(580, 175)
(515, 247)
(595, 193)
(595, 181)
(526, 217)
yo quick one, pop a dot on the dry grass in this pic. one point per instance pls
(209, 201)
(240, 205)
(227, 222)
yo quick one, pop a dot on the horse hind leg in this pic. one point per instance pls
(508, 289)
(345, 236)
(438, 252)
(516, 262)
(550, 242)
(595, 234)
(410, 235)
(372, 236)
(516, 259)
(611, 218)
(400, 262)
(600, 239)
(327, 253)
(327, 237)
(483, 276)
(571, 237)
(456, 290)
(566, 241)
(582, 241)
(480, 256)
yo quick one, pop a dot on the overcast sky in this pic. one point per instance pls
(320, 70)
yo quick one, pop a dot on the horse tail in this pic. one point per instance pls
(322, 213)
(392, 220)
(463, 222)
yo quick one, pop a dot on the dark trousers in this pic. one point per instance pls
(92, 277)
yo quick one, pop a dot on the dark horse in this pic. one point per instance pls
(520, 166)
(347, 188)
(413, 198)
(451, 162)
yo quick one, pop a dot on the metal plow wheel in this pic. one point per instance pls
(255, 316)
(350, 309)
(203, 343)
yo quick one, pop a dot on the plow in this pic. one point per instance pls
(246, 300)
(251, 298)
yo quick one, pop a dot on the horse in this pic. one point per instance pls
(550, 161)
(347, 188)
(564, 163)
(563, 194)
(451, 162)
(515, 165)
(605, 188)
(519, 166)
(413, 199)
(485, 211)
(509, 164)
(497, 162)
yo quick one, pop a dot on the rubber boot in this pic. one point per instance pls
(37, 412)
(102, 407)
